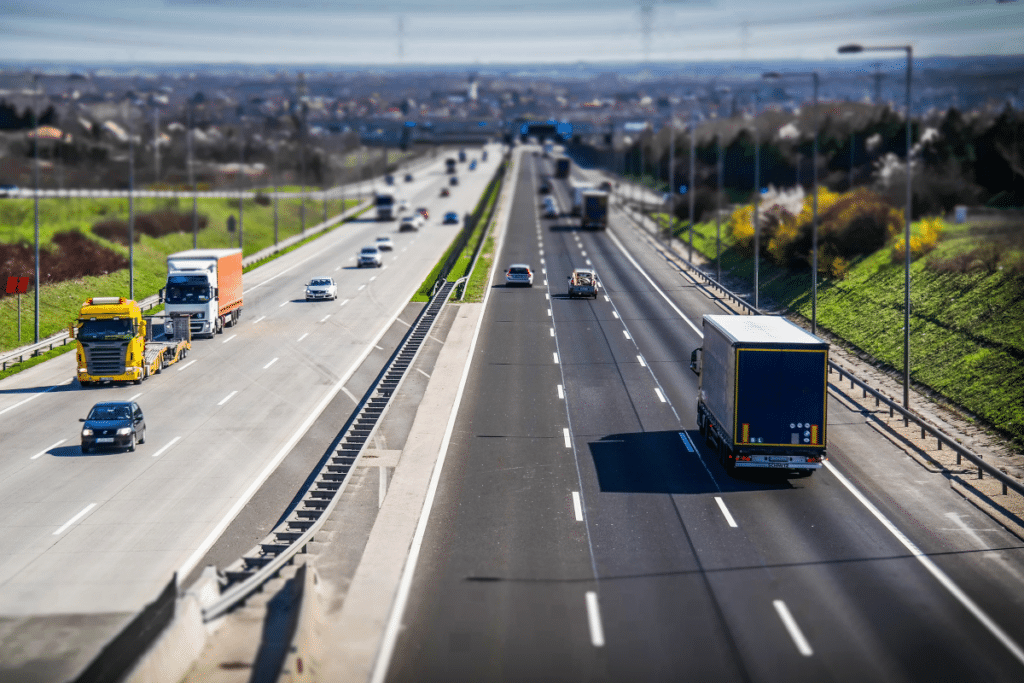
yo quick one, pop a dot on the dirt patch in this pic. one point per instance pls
(156, 224)
(72, 256)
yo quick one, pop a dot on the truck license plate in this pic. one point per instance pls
(106, 439)
(778, 458)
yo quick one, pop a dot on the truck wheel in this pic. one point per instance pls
(219, 326)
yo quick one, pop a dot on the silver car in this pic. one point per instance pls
(519, 274)
(321, 288)
(369, 256)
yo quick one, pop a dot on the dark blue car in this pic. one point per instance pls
(451, 217)
(113, 424)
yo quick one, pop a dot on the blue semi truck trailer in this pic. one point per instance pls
(763, 396)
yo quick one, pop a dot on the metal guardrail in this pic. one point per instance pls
(285, 542)
(927, 429)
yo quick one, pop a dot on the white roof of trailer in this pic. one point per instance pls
(763, 329)
(204, 253)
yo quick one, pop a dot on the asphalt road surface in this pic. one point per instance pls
(582, 530)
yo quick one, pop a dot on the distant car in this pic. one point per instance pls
(411, 223)
(408, 177)
(445, 192)
(423, 211)
(550, 210)
(454, 180)
(113, 424)
(321, 288)
(384, 244)
(8, 190)
(389, 179)
(519, 274)
(472, 165)
(369, 256)
(451, 217)
(545, 187)
(483, 155)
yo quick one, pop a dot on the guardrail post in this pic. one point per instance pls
(981, 472)
(958, 456)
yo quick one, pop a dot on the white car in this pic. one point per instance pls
(519, 274)
(412, 222)
(550, 209)
(369, 256)
(384, 244)
(321, 288)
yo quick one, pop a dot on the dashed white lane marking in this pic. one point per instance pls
(542, 263)
(606, 298)
(229, 339)
(302, 337)
(373, 278)
(546, 295)
(576, 507)
(34, 396)
(933, 569)
(589, 263)
(186, 365)
(361, 288)
(337, 269)
(258, 319)
(227, 398)
(615, 314)
(541, 251)
(324, 319)
(555, 354)
(545, 282)
(544, 270)
(343, 302)
(284, 304)
(794, 630)
(661, 396)
(549, 312)
(166, 447)
(686, 442)
(583, 253)
(350, 394)
(74, 519)
(269, 364)
(132, 398)
(45, 450)
(594, 619)
(552, 332)
(423, 373)
(561, 392)
(626, 334)
(725, 512)
(565, 436)
(643, 363)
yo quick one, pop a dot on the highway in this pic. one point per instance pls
(582, 529)
(99, 535)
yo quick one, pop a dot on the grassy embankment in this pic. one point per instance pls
(967, 328)
(59, 302)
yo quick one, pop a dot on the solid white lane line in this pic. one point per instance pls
(378, 347)
(933, 569)
(74, 519)
(576, 507)
(227, 398)
(323, 319)
(566, 437)
(794, 630)
(284, 304)
(186, 365)
(626, 333)
(258, 319)
(229, 339)
(132, 398)
(661, 396)
(615, 314)
(34, 396)
(643, 363)
(555, 354)
(166, 447)
(725, 512)
(43, 452)
(561, 392)
(343, 302)
(686, 442)
(301, 338)
(269, 364)
(594, 619)
(350, 394)
(423, 373)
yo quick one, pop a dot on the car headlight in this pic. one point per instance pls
(124, 430)
(87, 432)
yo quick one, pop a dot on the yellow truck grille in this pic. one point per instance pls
(106, 358)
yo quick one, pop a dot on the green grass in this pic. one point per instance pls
(60, 302)
(477, 284)
(966, 329)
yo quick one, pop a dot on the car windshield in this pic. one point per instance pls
(110, 413)
(101, 330)
(383, 239)
(385, 200)
(187, 289)
(321, 282)
(370, 251)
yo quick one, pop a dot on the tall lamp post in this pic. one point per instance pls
(854, 49)
(131, 196)
(35, 199)
(771, 75)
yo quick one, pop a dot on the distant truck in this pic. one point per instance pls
(205, 284)
(583, 282)
(117, 344)
(594, 209)
(763, 392)
(387, 205)
(450, 164)
(562, 166)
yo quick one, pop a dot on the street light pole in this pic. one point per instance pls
(757, 206)
(720, 166)
(192, 180)
(35, 197)
(131, 204)
(241, 184)
(692, 189)
(909, 50)
(671, 173)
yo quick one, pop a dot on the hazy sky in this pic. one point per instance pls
(494, 31)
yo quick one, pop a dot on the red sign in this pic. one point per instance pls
(17, 285)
